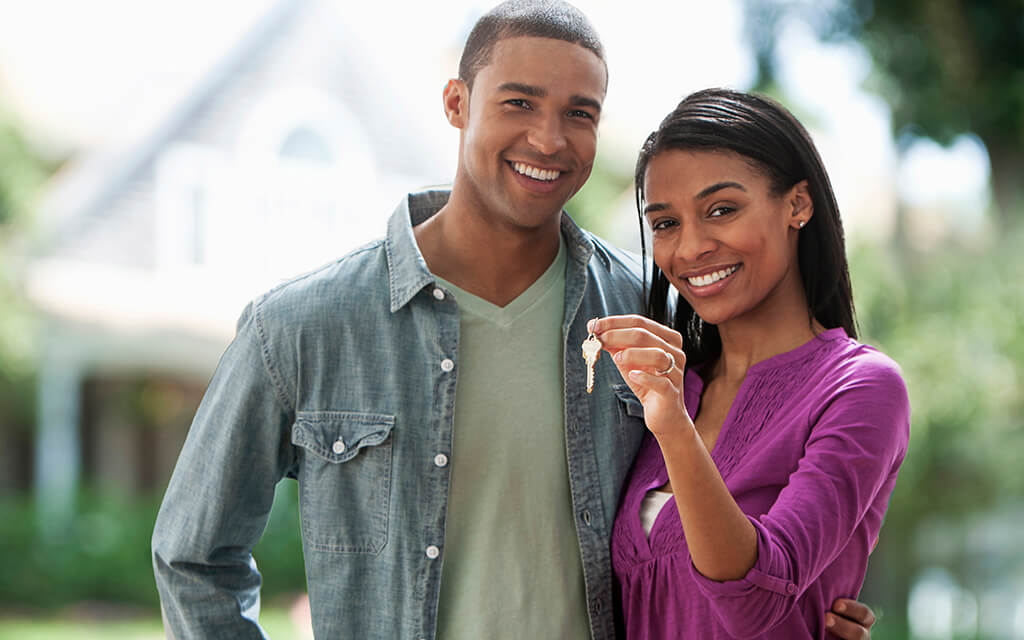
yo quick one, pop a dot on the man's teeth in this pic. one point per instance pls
(547, 175)
(710, 278)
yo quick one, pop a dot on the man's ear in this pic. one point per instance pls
(802, 206)
(456, 103)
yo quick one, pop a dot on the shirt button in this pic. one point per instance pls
(441, 460)
(433, 552)
(447, 365)
(438, 293)
(338, 446)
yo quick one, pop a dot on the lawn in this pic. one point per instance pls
(276, 621)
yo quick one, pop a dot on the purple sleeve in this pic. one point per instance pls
(857, 442)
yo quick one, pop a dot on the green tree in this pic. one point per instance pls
(954, 321)
(946, 68)
(22, 172)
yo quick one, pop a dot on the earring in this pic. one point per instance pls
(802, 223)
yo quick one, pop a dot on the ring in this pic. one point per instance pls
(670, 367)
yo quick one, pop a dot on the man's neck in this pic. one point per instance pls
(493, 262)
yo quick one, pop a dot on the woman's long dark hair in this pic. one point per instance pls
(764, 132)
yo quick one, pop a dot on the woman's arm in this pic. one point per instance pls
(856, 444)
(721, 539)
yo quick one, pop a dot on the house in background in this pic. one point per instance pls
(288, 153)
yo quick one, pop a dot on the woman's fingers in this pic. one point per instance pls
(635, 327)
(648, 370)
(655, 360)
(627, 333)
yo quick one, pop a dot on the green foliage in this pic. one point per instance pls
(954, 321)
(945, 67)
(104, 555)
(22, 172)
(593, 207)
(949, 66)
(21, 175)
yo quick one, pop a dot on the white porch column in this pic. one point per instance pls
(58, 446)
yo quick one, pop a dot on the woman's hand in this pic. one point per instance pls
(650, 358)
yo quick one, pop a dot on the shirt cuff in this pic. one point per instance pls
(765, 574)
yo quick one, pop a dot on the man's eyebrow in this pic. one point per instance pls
(584, 101)
(525, 89)
(540, 92)
(718, 186)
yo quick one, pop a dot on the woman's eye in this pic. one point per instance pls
(718, 212)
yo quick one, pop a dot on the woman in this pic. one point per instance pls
(774, 437)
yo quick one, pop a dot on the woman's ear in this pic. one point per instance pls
(456, 102)
(801, 205)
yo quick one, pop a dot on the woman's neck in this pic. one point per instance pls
(768, 331)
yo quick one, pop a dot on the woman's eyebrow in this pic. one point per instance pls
(718, 186)
(654, 207)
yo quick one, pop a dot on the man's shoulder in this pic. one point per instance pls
(616, 262)
(358, 277)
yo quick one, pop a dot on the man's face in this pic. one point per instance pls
(529, 129)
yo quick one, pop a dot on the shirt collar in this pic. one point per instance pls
(407, 270)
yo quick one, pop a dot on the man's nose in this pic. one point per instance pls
(547, 135)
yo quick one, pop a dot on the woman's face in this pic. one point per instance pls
(723, 239)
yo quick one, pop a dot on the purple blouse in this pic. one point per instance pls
(810, 451)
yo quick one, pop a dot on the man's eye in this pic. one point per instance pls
(518, 102)
(580, 113)
(661, 225)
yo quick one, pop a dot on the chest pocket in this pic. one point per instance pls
(629, 405)
(344, 479)
(631, 427)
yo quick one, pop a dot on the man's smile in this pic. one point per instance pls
(537, 173)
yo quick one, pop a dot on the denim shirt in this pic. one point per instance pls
(344, 379)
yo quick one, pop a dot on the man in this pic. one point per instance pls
(427, 390)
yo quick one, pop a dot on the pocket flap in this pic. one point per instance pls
(629, 400)
(337, 436)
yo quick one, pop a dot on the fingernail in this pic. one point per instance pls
(634, 375)
(829, 620)
(590, 324)
(618, 356)
(841, 607)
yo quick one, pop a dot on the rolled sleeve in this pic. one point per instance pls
(839, 490)
(762, 597)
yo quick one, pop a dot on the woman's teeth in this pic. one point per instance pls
(711, 278)
(547, 175)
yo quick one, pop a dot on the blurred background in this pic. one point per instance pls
(162, 163)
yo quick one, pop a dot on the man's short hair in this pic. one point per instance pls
(532, 18)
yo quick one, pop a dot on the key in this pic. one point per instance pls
(591, 351)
